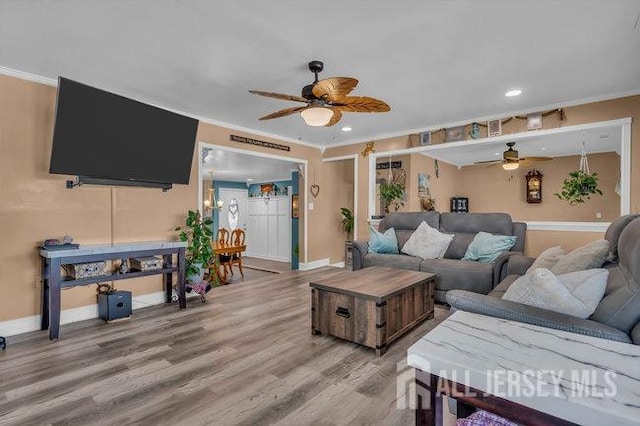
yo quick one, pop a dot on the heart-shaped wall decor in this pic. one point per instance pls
(315, 189)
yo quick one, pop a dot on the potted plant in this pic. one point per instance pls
(199, 254)
(392, 192)
(580, 186)
(347, 225)
(347, 221)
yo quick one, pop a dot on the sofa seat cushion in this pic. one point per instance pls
(460, 274)
(401, 261)
(499, 290)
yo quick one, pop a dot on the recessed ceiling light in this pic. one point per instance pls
(249, 180)
(512, 93)
(496, 153)
(346, 129)
(543, 148)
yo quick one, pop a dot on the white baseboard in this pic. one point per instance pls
(337, 265)
(313, 265)
(68, 316)
(567, 226)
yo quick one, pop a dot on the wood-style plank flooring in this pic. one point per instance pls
(247, 356)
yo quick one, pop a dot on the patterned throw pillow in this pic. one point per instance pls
(386, 243)
(427, 243)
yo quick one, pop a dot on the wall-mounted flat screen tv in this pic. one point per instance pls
(102, 135)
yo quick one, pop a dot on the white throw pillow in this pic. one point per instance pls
(548, 258)
(427, 243)
(576, 293)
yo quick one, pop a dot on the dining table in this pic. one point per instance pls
(225, 249)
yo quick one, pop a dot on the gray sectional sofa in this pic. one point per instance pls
(451, 272)
(617, 317)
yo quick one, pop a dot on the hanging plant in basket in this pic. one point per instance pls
(579, 187)
(581, 184)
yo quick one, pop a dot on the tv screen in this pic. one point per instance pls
(101, 135)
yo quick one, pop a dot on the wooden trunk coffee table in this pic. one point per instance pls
(372, 306)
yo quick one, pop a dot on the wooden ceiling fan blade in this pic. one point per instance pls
(361, 104)
(337, 116)
(333, 88)
(536, 159)
(279, 96)
(283, 113)
(487, 162)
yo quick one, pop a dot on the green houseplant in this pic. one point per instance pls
(392, 192)
(578, 187)
(197, 233)
(347, 222)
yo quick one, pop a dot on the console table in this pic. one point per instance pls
(53, 281)
(530, 374)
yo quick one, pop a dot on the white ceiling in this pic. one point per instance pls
(233, 166)
(437, 63)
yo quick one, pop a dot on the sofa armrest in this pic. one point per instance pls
(500, 266)
(360, 248)
(513, 311)
(519, 264)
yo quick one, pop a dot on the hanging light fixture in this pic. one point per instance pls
(511, 165)
(317, 115)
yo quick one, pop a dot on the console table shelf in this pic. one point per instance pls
(115, 277)
(53, 282)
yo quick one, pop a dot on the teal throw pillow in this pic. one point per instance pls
(486, 248)
(386, 243)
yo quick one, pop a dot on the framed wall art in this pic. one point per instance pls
(454, 134)
(534, 121)
(494, 128)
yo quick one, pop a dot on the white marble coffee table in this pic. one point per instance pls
(576, 378)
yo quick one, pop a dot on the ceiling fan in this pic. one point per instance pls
(325, 100)
(510, 159)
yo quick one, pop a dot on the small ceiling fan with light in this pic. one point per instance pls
(510, 159)
(325, 100)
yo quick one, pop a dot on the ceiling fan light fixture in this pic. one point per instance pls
(511, 165)
(317, 116)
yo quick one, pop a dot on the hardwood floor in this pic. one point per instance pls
(247, 356)
(266, 265)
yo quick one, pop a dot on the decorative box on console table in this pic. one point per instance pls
(85, 270)
(149, 263)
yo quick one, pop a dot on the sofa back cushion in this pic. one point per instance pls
(406, 223)
(620, 307)
(613, 234)
(472, 223)
(465, 226)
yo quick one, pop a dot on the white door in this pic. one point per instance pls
(234, 212)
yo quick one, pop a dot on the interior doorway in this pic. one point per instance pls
(234, 183)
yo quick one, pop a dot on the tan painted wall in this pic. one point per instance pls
(492, 189)
(336, 191)
(538, 241)
(36, 205)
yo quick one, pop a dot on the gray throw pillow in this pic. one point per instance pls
(576, 293)
(588, 256)
(548, 258)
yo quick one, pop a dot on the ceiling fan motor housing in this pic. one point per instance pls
(510, 154)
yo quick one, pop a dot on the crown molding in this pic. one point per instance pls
(54, 83)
